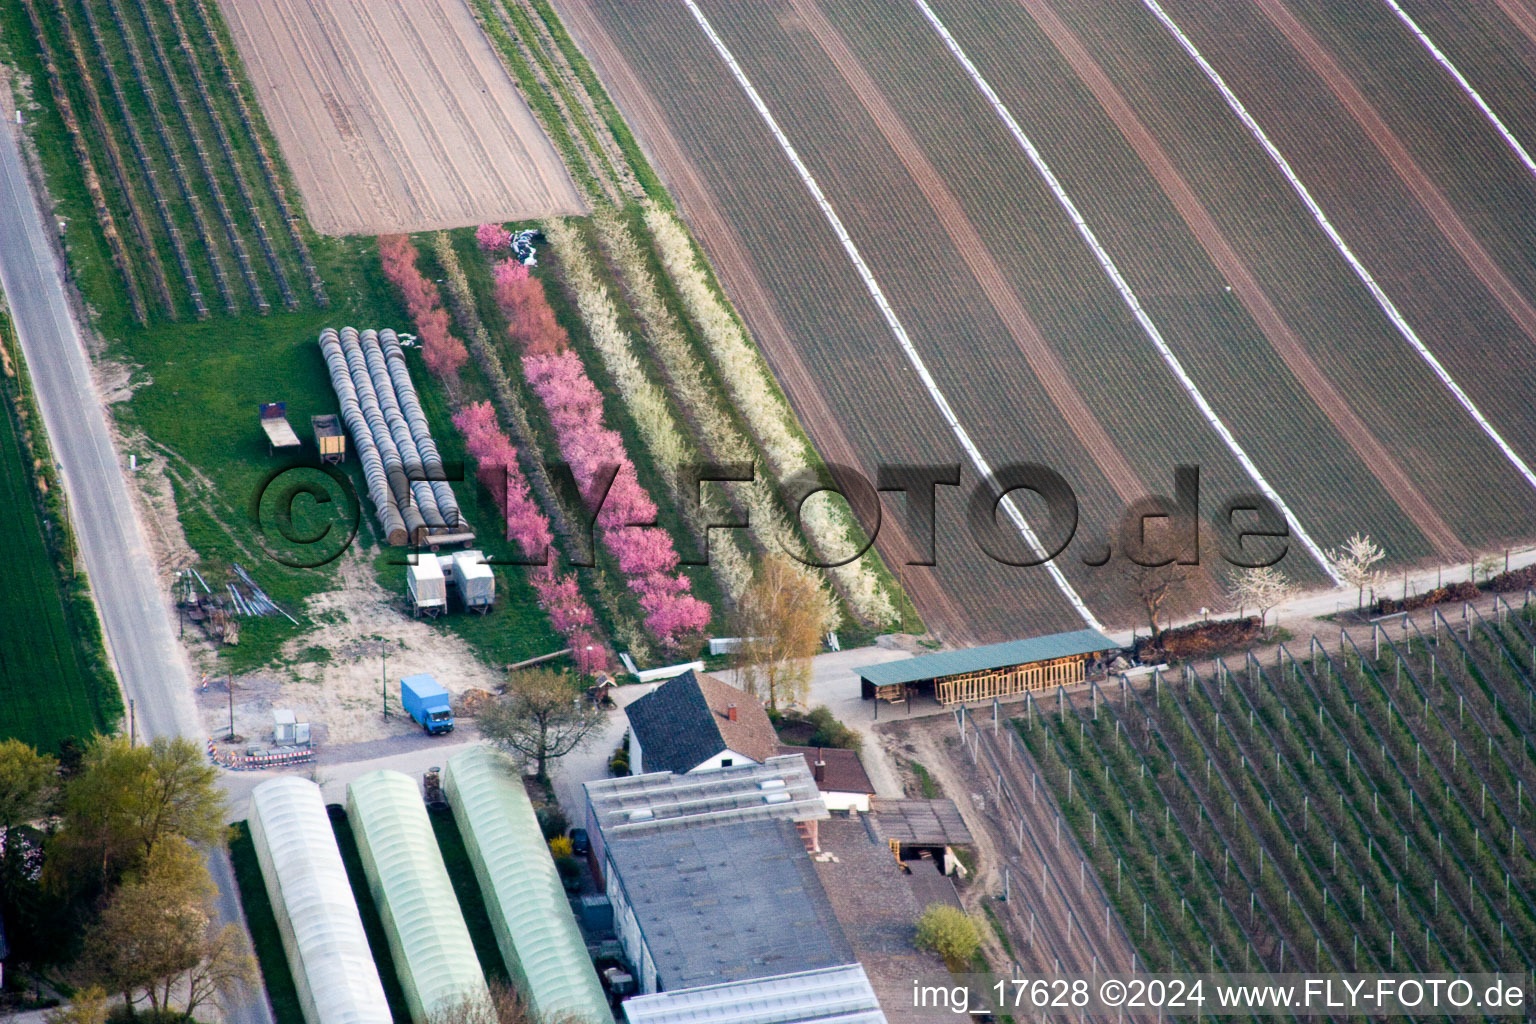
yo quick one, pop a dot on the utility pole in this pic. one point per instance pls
(131, 732)
(384, 679)
(231, 688)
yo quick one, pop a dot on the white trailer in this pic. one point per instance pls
(427, 587)
(476, 583)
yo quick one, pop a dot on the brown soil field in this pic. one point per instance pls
(396, 115)
(1023, 330)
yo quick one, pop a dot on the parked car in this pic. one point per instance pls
(580, 844)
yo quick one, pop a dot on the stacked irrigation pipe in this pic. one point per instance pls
(390, 520)
(381, 409)
(410, 405)
(373, 414)
(420, 496)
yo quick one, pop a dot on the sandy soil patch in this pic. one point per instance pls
(339, 691)
(396, 115)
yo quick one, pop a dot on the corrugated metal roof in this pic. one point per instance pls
(728, 903)
(841, 994)
(664, 801)
(433, 953)
(535, 929)
(977, 659)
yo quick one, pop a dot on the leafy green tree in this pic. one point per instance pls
(781, 620)
(126, 801)
(28, 785)
(28, 781)
(542, 715)
(151, 931)
(950, 933)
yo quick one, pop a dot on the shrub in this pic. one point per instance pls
(950, 933)
(560, 846)
(570, 872)
(493, 237)
(618, 764)
(552, 821)
(830, 732)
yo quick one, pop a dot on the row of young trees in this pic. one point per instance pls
(88, 171)
(645, 552)
(103, 874)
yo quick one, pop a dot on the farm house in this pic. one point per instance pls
(982, 673)
(535, 930)
(432, 949)
(328, 954)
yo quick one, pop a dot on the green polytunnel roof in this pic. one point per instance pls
(422, 920)
(535, 929)
(977, 659)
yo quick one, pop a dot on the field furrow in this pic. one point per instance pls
(1169, 177)
(1369, 198)
(803, 300)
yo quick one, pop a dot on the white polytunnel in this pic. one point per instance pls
(323, 937)
(538, 936)
(433, 954)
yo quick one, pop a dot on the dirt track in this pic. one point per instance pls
(396, 115)
(1055, 916)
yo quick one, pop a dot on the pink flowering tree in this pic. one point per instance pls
(496, 466)
(493, 237)
(443, 353)
(646, 555)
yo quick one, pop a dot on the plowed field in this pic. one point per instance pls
(1101, 266)
(396, 115)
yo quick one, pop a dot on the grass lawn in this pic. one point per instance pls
(266, 939)
(51, 687)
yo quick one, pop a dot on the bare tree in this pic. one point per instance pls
(781, 620)
(1261, 589)
(1153, 586)
(226, 967)
(543, 714)
(505, 1006)
(1354, 561)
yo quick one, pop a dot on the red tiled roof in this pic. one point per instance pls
(844, 771)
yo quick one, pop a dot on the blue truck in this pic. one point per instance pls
(425, 700)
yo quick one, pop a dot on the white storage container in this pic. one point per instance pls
(428, 589)
(476, 583)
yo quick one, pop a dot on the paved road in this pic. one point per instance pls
(135, 618)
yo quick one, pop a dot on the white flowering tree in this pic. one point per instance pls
(1261, 589)
(1355, 561)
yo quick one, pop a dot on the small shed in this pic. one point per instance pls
(839, 775)
(982, 673)
(274, 423)
(330, 440)
(914, 828)
(427, 588)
